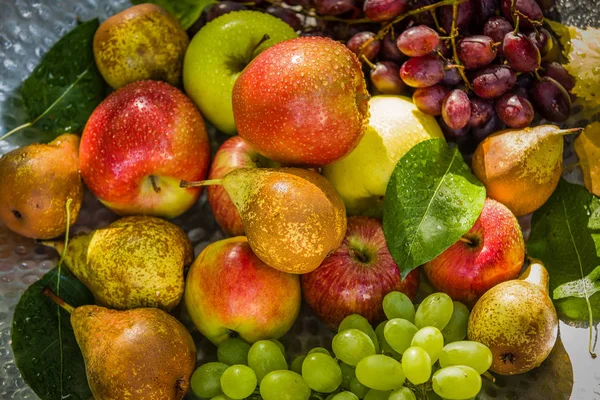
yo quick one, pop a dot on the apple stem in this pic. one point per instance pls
(50, 294)
(261, 41)
(209, 182)
(465, 240)
(154, 185)
(366, 60)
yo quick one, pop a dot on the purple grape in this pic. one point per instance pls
(389, 51)
(520, 52)
(423, 18)
(497, 28)
(429, 100)
(456, 109)
(476, 51)
(551, 99)
(557, 72)
(529, 8)
(493, 125)
(482, 111)
(464, 16)
(288, 16)
(221, 8)
(370, 51)
(384, 10)
(451, 77)
(303, 3)
(494, 81)
(451, 134)
(525, 81)
(485, 9)
(333, 7)
(514, 110)
(385, 76)
(422, 71)
(418, 41)
(541, 39)
(546, 5)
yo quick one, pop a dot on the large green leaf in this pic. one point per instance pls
(432, 199)
(43, 342)
(565, 235)
(66, 86)
(187, 11)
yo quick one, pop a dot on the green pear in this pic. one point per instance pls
(142, 354)
(134, 262)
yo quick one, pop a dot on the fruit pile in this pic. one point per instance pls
(337, 193)
(369, 363)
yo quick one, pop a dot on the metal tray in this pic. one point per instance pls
(28, 28)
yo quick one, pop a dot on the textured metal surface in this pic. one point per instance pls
(27, 30)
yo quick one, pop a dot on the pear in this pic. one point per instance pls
(292, 217)
(141, 354)
(521, 167)
(517, 321)
(35, 183)
(134, 262)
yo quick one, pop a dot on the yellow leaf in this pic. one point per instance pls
(587, 147)
(584, 65)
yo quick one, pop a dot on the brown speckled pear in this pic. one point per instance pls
(520, 168)
(134, 262)
(517, 321)
(141, 354)
(142, 42)
(35, 183)
(292, 217)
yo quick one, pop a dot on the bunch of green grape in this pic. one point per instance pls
(413, 351)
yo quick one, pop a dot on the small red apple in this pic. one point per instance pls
(230, 291)
(302, 101)
(233, 153)
(491, 252)
(138, 144)
(355, 277)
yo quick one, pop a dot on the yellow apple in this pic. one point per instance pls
(361, 177)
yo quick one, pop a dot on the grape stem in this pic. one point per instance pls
(366, 61)
(453, 35)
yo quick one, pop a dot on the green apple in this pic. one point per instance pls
(361, 177)
(218, 54)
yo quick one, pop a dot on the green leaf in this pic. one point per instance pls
(432, 199)
(581, 288)
(186, 11)
(66, 86)
(565, 235)
(43, 342)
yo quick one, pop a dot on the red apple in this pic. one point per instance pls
(233, 153)
(491, 252)
(230, 291)
(356, 276)
(302, 101)
(138, 144)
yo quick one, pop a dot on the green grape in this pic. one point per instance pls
(206, 379)
(233, 351)
(416, 365)
(398, 305)
(457, 326)
(435, 310)
(319, 350)
(458, 382)
(321, 372)
(377, 395)
(398, 333)
(238, 381)
(284, 385)
(347, 374)
(279, 344)
(265, 356)
(431, 340)
(344, 396)
(221, 397)
(403, 393)
(383, 344)
(380, 372)
(352, 345)
(296, 364)
(358, 388)
(472, 354)
(359, 322)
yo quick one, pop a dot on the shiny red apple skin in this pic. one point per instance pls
(466, 271)
(144, 129)
(302, 102)
(229, 289)
(234, 153)
(345, 285)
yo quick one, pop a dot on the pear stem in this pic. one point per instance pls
(209, 182)
(564, 132)
(489, 376)
(52, 296)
